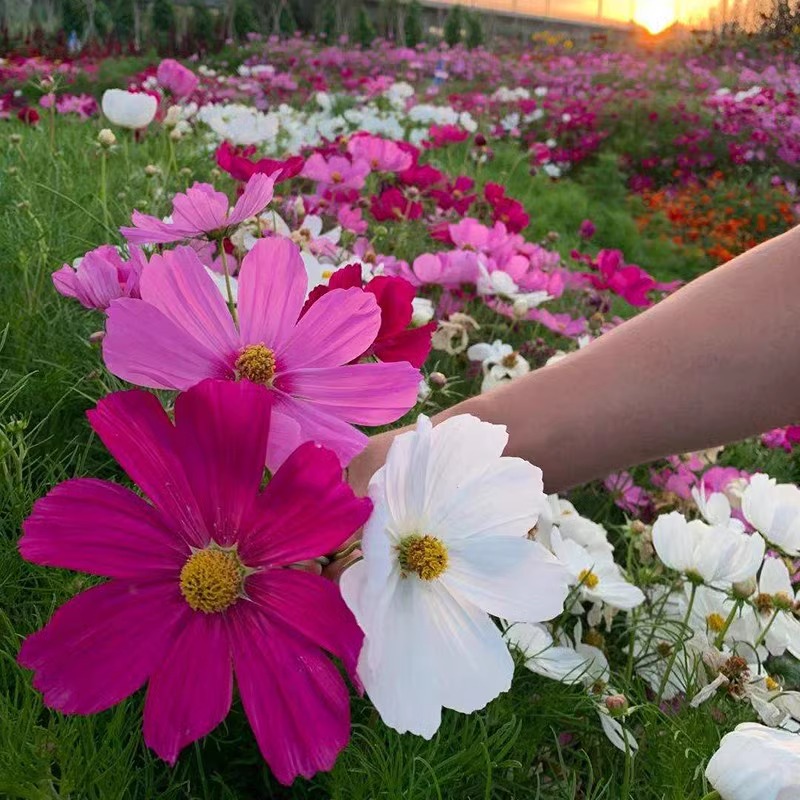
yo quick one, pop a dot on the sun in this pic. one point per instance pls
(655, 15)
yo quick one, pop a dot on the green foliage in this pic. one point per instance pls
(162, 18)
(202, 26)
(103, 20)
(452, 26)
(74, 16)
(122, 19)
(365, 30)
(474, 37)
(413, 24)
(244, 19)
(329, 24)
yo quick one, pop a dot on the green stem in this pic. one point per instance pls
(104, 187)
(720, 640)
(763, 634)
(228, 285)
(668, 671)
(715, 795)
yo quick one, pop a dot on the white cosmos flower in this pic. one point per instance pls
(596, 573)
(132, 110)
(715, 508)
(717, 555)
(776, 598)
(773, 509)
(422, 311)
(489, 354)
(710, 611)
(543, 656)
(447, 545)
(572, 525)
(500, 363)
(756, 763)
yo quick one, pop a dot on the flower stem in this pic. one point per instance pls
(718, 642)
(668, 671)
(228, 285)
(763, 635)
(104, 188)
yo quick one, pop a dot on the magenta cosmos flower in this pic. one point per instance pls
(181, 332)
(201, 211)
(199, 588)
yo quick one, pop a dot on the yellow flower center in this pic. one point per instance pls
(771, 684)
(256, 362)
(509, 361)
(588, 578)
(425, 555)
(337, 176)
(764, 603)
(212, 579)
(715, 622)
(783, 601)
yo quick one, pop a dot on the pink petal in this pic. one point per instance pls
(145, 347)
(313, 607)
(285, 437)
(365, 394)
(179, 286)
(294, 698)
(138, 433)
(102, 645)
(99, 527)
(151, 230)
(272, 288)
(319, 425)
(255, 198)
(190, 692)
(201, 208)
(221, 432)
(339, 327)
(306, 510)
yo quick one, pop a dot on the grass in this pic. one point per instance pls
(541, 740)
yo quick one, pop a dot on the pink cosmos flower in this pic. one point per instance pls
(199, 588)
(176, 78)
(181, 332)
(382, 155)
(101, 276)
(338, 172)
(628, 281)
(392, 204)
(201, 211)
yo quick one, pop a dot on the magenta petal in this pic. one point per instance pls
(138, 433)
(365, 394)
(189, 694)
(102, 645)
(285, 437)
(101, 528)
(295, 699)
(272, 288)
(339, 327)
(256, 196)
(306, 510)
(221, 432)
(151, 230)
(145, 347)
(312, 606)
(201, 208)
(179, 286)
(318, 424)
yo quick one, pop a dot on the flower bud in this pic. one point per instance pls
(520, 308)
(15, 138)
(186, 172)
(638, 527)
(744, 589)
(96, 337)
(437, 379)
(151, 170)
(106, 138)
(617, 705)
(175, 134)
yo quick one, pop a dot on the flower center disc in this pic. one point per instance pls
(716, 622)
(509, 361)
(212, 579)
(588, 579)
(256, 362)
(425, 555)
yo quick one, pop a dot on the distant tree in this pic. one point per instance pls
(413, 24)
(474, 30)
(162, 18)
(74, 17)
(365, 31)
(103, 20)
(122, 19)
(329, 24)
(202, 27)
(244, 19)
(452, 26)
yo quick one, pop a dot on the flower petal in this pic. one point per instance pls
(338, 328)
(221, 432)
(138, 433)
(306, 510)
(179, 286)
(101, 528)
(364, 394)
(256, 196)
(102, 645)
(201, 208)
(190, 692)
(145, 347)
(285, 686)
(272, 288)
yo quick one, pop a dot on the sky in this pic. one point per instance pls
(651, 13)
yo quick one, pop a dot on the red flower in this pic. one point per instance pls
(506, 209)
(28, 115)
(237, 164)
(392, 204)
(441, 135)
(455, 195)
(395, 340)
(630, 282)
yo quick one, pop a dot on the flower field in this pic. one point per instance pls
(222, 275)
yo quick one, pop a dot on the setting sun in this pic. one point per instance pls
(655, 15)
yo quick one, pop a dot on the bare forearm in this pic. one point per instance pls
(717, 361)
